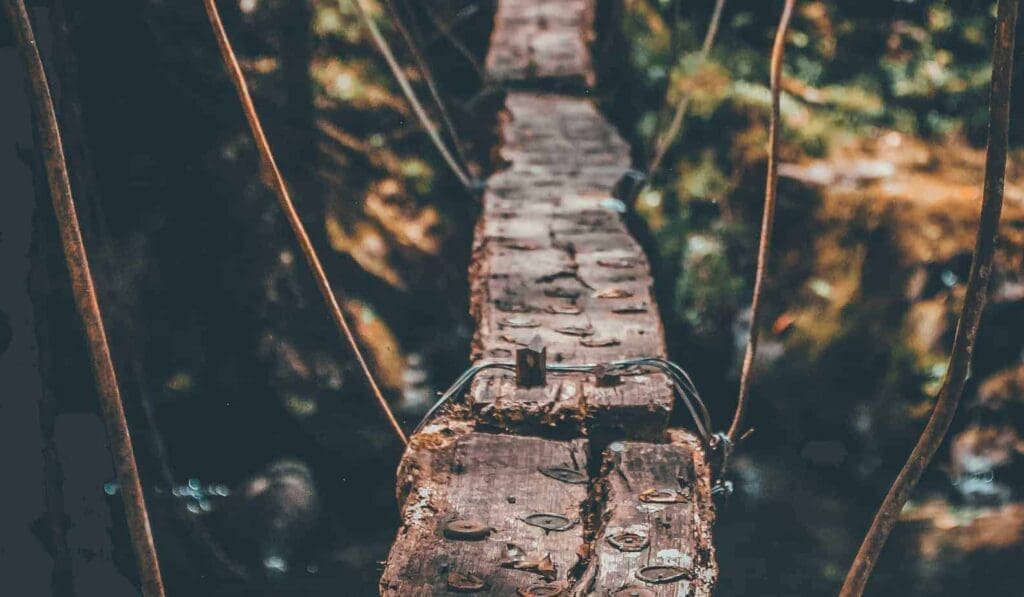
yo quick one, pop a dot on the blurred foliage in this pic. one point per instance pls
(852, 70)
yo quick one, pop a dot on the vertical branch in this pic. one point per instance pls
(275, 181)
(85, 300)
(665, 141)
(428, 78)
(970, 315)
(410, 95)
(767, 219)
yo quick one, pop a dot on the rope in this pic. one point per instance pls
(970, 316)
(686, 390)
(684, 102)
(84, 291)
(771, 185)
(274, 179)
(446, 31)
(428, 76)
(410, 95)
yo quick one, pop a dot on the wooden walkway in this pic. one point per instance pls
(576, 487)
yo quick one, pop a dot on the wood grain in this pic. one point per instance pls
(494, 479)
(554, 259)
(541, 42)
(678, 534)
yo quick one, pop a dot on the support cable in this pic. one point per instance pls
(273, 178)
(410, 95)
(428, 77)
(445, 30)
(666, 140)
(768, 218)
(970, 316)
(84, 291)
(686, 390)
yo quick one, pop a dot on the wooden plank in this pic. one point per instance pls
(553, 258)
(453, 474)
(644, 527)
(542, 42)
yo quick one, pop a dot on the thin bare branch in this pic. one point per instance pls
(767, 219)
(428, 77)
(273, 178)
(88, 307)
(403, 82)
(445, 29)
(666, 140)
(970, 315)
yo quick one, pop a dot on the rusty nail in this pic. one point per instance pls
(511, 306)
(662, 496)
(465, 582)
(576, 330)
(565, 474)
(613, 293)
(548, 521)
(633, 592)
(629, 309)
(466, 529)
(661, 574)
(541, 591)
(519, 322)
(617, 263)
(599, 342)
(562, 292)
(564, 309)
(513, 340)
(520, 245)
(626, 541)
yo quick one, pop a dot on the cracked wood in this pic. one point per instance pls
(656, 497)
(554, 259)
(453, 474)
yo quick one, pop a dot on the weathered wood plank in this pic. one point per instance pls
(542, 42)
(643, 526)
(553, 259)
(451, 474)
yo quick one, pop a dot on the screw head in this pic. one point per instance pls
(662, 574)
(466, 529)
(548, 521)
(626, 541)
(565, 474)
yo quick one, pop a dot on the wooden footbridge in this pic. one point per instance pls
(557, 482)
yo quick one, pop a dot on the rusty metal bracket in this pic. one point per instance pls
(531, 364)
